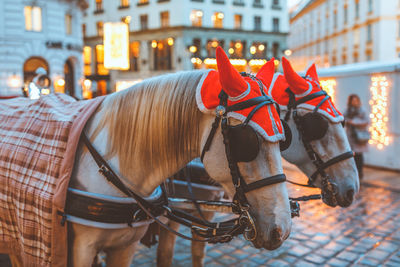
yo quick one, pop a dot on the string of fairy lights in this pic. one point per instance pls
(379, 112)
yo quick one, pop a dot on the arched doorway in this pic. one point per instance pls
(69, 78)
(31, 65)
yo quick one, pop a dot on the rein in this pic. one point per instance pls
(211, 232)
(329, 188)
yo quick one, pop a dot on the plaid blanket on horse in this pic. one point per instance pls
(38, 141)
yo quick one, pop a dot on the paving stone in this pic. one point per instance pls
(337, 263)
(345, 240)
(302, 263)
(348, 256)
(299, 251)
(388, 246)
(315, 258)
(277, 263)
(379, 255)
(369, 261)
(325, 252)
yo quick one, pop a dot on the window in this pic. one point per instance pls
(162, 55)
(258, 50)
(335, 20)
(84, 30)
(100, 69)
(218, 19)
(345, 15)
(68, 24)
(275, 50)
(87, 60)
(356, 37)
(33, 18)
(134, 52)
(275, 24)
(370, 6)
(257, 3)
(212, 47)
(144, 22)
(357, 7)
(257, 23)
(99, 6)
(369, 33)
(275, 2)
(398, 29)
(99, 27)
(143, 2)
(238, 21)
(197, 44)
(164, 18)
(237, 48)
(369, 55)
(196, 16)
(124, 3)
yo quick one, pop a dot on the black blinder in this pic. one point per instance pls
(313, 126)
(244, 143)
(283, 145)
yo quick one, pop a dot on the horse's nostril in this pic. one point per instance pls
(276, 234)
(350, 195)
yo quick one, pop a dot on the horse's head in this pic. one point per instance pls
(318, 138)
(247, 146)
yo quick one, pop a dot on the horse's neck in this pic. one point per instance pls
(145, 179)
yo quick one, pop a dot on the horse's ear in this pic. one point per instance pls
(232, 82)
(266, 73)
(297, 84)
(312, 72)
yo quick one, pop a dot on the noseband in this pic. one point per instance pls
(329, 188)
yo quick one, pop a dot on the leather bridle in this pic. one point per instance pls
(211, 232)
(328, 187)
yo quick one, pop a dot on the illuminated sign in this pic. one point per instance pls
(116, 45)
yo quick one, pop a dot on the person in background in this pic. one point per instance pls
(357, 122)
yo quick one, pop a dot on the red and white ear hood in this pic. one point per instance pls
(265, 121)
(301, 87)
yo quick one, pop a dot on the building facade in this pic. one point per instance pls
(173, 35)
(336, 32)
(41, 33)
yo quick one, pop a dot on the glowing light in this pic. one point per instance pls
(210, 61)
(378, 128)
(220, 15)
(238, 45)
(257, 62)
(329, 86)
(170, 41)
(196, 60)
(154, 44)
(261, 47)
(288, 52)
(231, 51)
(60, 82)
(14, 81)
(116, 45)
(87, 83)
(214, 43)
(276, 62)
(160, 46)
(253, 50)
(45, 91)
(193, 49)
(238, 62)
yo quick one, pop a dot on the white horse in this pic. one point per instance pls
(343, 173)
(148, 133)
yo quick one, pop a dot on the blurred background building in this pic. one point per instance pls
(336, 32)
(41, 33)
(173, 35)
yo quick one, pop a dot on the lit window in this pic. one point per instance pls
(68, 24)
(196, 16)
(84, 30)
(218, 19)
(124, 3)
(135, 51)
(141, 2)
(99, 5)
(33, 18)
(87, 60)
(164, 17)
(99, 26)
(238, 21)
(101, 70)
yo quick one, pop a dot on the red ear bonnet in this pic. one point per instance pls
(266, 73)
(297, 84)
(232, 82)
(312, 72)
(265, 121)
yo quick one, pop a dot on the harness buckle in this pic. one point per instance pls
(220, 111)
(250, 231)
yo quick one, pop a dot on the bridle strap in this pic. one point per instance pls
(332, 161)
(279, 178)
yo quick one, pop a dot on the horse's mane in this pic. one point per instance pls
(156, 121)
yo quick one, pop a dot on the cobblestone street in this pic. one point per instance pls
(365, 234)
